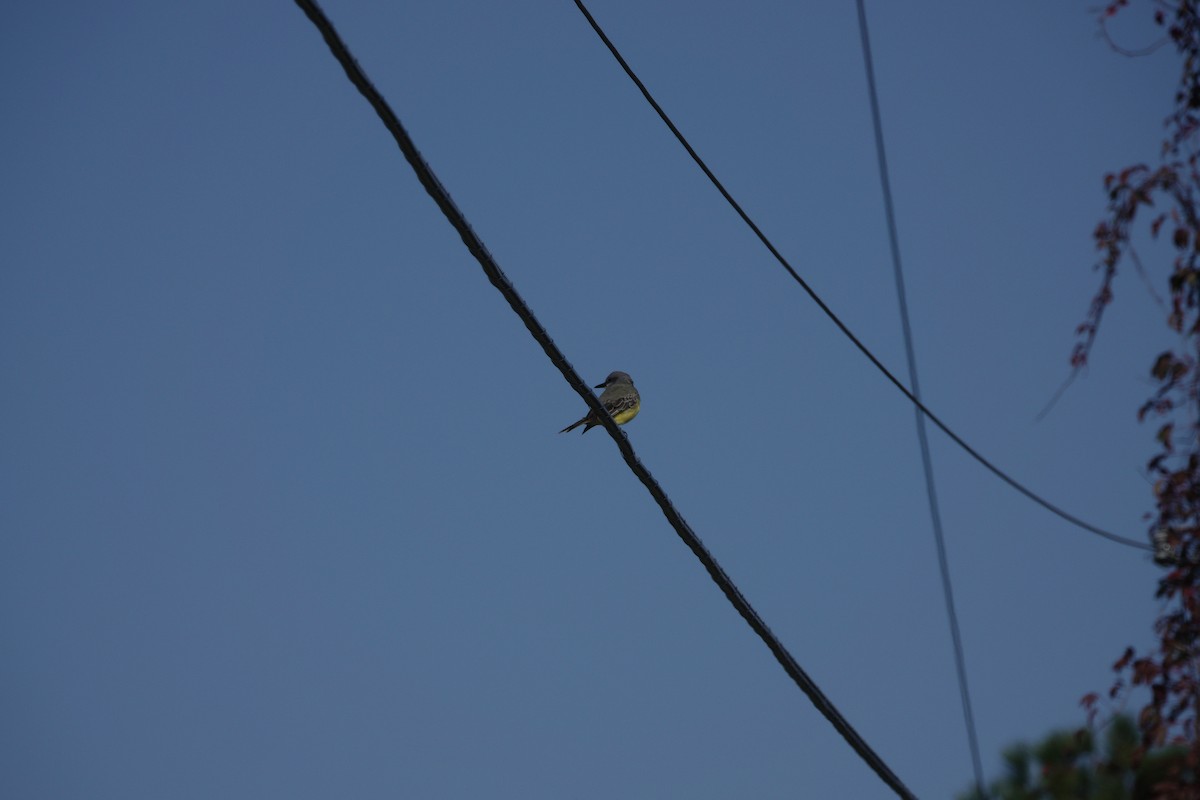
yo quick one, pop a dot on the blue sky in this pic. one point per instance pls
(285, 509)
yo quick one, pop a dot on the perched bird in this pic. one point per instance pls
(619, 398)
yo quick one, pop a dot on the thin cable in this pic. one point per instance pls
(999, 473)
(911, 355)
(500, 281)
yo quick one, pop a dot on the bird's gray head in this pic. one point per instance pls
(616, 377)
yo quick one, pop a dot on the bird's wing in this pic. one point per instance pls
(616, 405)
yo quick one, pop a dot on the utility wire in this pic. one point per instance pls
(935, 514)
(501, 282)
(999, 473)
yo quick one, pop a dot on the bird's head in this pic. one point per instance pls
(615, 377)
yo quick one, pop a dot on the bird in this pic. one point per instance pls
(620, 399)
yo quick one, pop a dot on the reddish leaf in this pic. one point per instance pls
(1164, 434)
(1162, 366)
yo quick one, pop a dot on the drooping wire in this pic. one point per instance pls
(935, 513)
(498, 279)
(999, 473)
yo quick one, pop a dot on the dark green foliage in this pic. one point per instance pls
(1066, 766)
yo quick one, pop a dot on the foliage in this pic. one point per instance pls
(1164, 199)
(1066, 765)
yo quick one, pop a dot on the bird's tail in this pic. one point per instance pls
(573, 425)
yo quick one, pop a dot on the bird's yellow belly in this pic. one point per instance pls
(621, 417)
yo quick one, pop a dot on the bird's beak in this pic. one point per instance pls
(600, 385)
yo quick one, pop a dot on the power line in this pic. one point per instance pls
(500, 281)
(999, 473)
(935, 514)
